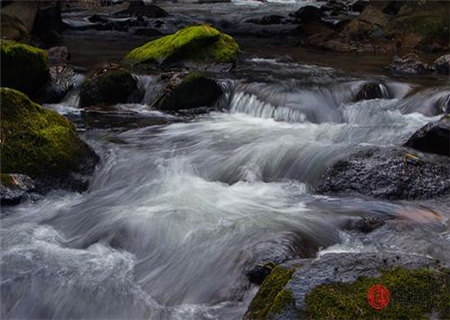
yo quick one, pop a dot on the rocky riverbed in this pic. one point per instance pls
(226, 170)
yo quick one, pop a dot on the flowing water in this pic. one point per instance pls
(177, 214)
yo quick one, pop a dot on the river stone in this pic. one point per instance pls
(308, 14)
(109, 86)
(442, 64)
(384, 174)
(368, 91)
(409, 64)
(433, 137)
(14, 188)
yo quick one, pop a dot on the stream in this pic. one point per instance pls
(177, 213)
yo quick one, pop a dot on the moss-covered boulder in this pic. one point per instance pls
(41, 143)
(108, 86)
(191, 91)
(24, 67)
(195, 47)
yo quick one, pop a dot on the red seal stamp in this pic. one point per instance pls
(378, 297)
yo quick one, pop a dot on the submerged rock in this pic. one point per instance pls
(337, 284)
(442, 64)
(197, 47)
(108, 86)
(42, 144)
(387, 174)
(24, 68)
(188, 92)
(368, 91)
(433, 138)
(14, 188)
(409, 64)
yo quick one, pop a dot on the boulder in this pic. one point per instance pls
(108, 86)
(197, 47)
(14, 188)
(368, 91)
(409, 64)
(141, 8)
(442, 64)
(369, 24)
(337, 284)
(24, 67)
(308, 14)
(387, 174)
(432, 138)
(62, 78)
(17, 19)
(189, 92)
(42, 144)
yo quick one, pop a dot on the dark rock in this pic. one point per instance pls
(368, 91)
(48, 18)
(359, 5)
(58, 55)
(61, 80)
(433, 138)
(409, 64)
(14, 188)
(442, 64)
(260, 272)
(393, 7)
(111, 85)
(386, 174)
(267, 20)
(308, 14)
(365, 224)
(148, 32)
(187, 92)
(17, 20)
(140, 8)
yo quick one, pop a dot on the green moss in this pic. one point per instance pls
(24, 67)
(35, 141)
(195, 43)
(414, 294)
(110, 87)
(271, 297)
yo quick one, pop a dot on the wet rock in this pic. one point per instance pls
(196, 47)
(433, 138)
(110, 85)
(14, 188)
(369, 24)
(308, 14)
(442, 64)
(48, 22)
(42, 144)
(61, 80)
(368, 91)
(260, 272)
(58, 55)
(409, 64)
(24, 67)
(141, 8)
(364, 225)
(386, 174)
(188, 92)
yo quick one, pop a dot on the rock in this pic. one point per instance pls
(337, 284)
(260, 272)
(17, 19)
(433, 138)
(198, 47)
(108, 86)
(386, 174)
(48, 20)
(442, 64)
(267, 20)
(308, 14)
(141, 8)
(148, 32)
(368, 91)
(24, 67)
(42, 144)
(14, 188)
(58, 55)
(62, 78)
(368, 24)
(409, 64)
(188, 92)
(364, 225)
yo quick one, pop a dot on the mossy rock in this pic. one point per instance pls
(24, 68)
(414, 294)
(201, 44)
(111, 86)
(272, 298)
(38, 142)
(194, 91)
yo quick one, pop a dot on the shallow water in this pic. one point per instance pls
(176, 214)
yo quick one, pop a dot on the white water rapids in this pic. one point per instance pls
(176, 214)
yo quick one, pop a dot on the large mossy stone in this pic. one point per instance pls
(194, 91)
(38, 142)
(108, 87)
(24, 68)
(200, 44)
